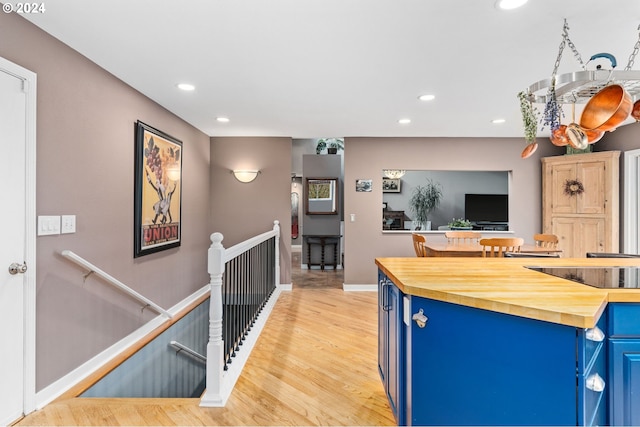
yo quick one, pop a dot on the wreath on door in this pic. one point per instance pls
(573, 187)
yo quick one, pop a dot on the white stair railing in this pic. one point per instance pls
(220, 382)
(115, 282)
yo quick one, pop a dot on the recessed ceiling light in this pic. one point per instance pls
(404, 121)
(222, 119)
(498, 121)
(186, 86)
(510, 4)
(427, 97)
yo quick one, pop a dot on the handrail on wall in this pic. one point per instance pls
(115, 282)
(188, 351)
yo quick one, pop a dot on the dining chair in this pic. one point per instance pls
(610, 255)
(463, 236)
(497, 246)
(546, 240)
(418, 244)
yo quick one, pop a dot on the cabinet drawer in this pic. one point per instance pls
(589, 343)
(592, 392)
(624, 319)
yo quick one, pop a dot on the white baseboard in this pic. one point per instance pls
(59, 387)
(359, 288)
(285, 286)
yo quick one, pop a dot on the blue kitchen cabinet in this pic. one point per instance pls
(391, 356)
(477, 367)
(624, 364)
(469, 366)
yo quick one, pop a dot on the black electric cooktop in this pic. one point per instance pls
(598, 277)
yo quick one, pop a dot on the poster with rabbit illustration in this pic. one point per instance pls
(158, 191)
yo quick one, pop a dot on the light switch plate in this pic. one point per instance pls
(68, 224)
(48, 224)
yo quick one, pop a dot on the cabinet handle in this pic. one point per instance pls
(594, 334)
(385, 297)
(595, 383)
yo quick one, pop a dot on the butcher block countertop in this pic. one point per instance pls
(505, 285)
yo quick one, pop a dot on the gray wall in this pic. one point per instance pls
(242, 210)
(85, 158)
(366, 157)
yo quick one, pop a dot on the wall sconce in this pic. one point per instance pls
(245, 176)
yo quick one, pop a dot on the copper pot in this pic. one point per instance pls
(607, 109)
(559, 136)
(635, 113)
(594, 136)
(529, 150)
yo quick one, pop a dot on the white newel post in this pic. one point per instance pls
(276, 228)
(213, 395)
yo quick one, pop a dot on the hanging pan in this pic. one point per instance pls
(559, 136)
(607, 109)
(575, 135)
(635, 113)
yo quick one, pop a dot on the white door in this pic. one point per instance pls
(16, 244)
(631, 203)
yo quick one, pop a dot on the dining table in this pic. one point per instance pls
(445, 249)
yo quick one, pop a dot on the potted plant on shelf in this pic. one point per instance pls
(330, 144)
(460, 224)
(424, 199)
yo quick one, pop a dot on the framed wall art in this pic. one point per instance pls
(158, 191)
(391, 185)
(364, 185)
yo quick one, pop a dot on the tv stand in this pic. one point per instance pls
(490, 225)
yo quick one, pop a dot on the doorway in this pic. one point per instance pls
(17, 252)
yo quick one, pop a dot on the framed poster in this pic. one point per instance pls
(158, 191)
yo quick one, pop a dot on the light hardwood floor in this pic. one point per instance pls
(314, 364)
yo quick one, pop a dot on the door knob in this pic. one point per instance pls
(16, 268)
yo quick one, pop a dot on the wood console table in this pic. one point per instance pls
(322, 240)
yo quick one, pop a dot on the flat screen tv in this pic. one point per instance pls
(486, 207)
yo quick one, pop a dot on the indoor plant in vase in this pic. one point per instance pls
(460, 224)
(424, 199)
(330, 144)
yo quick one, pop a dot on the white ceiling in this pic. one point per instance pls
(315, 68)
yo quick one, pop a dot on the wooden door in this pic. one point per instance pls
(562, 203)
(592, 177)
(578, 235)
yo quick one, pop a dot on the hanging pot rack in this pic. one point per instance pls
(578, 87)
(581, 87)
